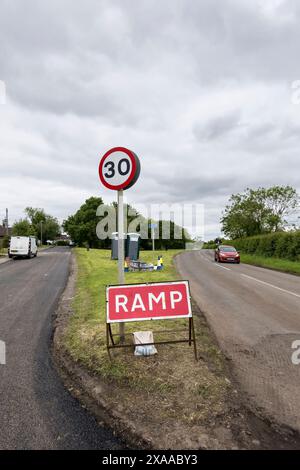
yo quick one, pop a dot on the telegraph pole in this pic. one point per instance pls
(6, 221)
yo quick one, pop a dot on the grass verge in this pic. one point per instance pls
(171, 386)
(85, 338)
(278, 264)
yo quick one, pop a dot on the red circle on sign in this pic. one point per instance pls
(134, 173)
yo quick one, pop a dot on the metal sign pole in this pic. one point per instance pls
(121, 252)
(119, 169)
(153, 239)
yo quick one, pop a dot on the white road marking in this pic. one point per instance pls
(223, 267)
(271, 285)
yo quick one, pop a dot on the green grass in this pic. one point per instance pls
(279, 264)
(172, 383)
(3, 251)
(85, 338)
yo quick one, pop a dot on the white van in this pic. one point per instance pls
(22, 246)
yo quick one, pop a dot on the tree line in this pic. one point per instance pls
(82, 225)
(257, 212)
(37, 223)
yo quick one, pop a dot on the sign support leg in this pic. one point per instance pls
(121, 252)
(190, 332)
(107, 340)
(194, 339)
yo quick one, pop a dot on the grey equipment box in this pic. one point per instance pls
(132, 249)
(114, 245)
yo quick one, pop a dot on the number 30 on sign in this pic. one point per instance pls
(119, 168)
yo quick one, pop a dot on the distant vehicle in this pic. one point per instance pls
(227, 254)
(25, 247)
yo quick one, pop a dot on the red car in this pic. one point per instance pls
(227, 254)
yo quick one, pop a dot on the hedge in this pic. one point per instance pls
(279, 245)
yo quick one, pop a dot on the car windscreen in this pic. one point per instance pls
(227, 249)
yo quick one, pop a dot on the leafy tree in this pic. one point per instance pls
(22, 228)
(31, 225)
(259, 211)
(281, 200)
(81, 226)
(43, 223)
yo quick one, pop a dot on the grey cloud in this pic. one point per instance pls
(217, 127)
(198, 89)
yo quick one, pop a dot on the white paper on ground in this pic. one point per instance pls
(140, 337)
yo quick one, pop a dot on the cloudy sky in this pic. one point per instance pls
(201, 90)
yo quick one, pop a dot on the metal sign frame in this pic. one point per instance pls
(144, 284)
(110, 337)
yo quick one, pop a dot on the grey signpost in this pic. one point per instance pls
(121, 277)
(153, 227)
(119, 169)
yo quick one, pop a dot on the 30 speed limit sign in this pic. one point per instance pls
(119, 168)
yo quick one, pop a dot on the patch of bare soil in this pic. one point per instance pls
(169, 401)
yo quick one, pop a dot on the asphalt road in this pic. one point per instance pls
(255, 314)
(37, 412)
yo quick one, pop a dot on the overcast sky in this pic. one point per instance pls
(201, 90)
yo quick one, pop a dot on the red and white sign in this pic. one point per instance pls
(153, 301)
(119, 168)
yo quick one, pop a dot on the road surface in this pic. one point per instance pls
(255, 314)
(36, 410)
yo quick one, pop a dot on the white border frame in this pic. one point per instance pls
(173, 317)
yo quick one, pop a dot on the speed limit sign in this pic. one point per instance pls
(119, 168)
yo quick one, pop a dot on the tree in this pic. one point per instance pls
(31, 225)
(43, 223)
(22, 228)
(281, 200)
(259, 211)
(81, 226)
